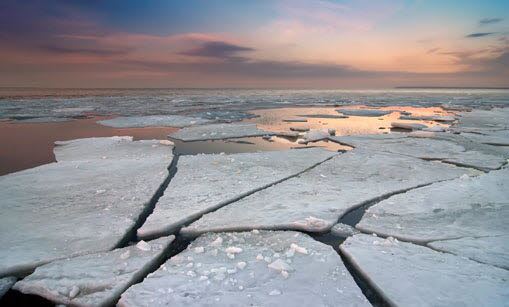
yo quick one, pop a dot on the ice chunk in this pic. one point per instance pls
(363, 112)
(95, 279)
(5, 284)
(412, 275)
(218, 131)
(316, 135)
(312, 283)
(144, 246)
(233, 250)
(343, 230)
(315, 200)
(475, 206)
(153, 121)
(207, 182)
(280, 265)
(66, 216)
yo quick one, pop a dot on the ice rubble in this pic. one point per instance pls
(467, 206)
(218, 131)
(428, 148)
(94, 279)
(207, 182)
(315, 200)
(153, 121)
(6, 284)
(363, 112)
(267, 272)
(406, 274)
(86, 202)
(491, 250)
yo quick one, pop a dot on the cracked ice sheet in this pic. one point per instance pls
(490, 250)
(218, 131)
(475, 206)
(95, 279)
(5, 284)
(260, 268)
(410, 275)
(315, 200)
(206, 182)
(153, 121)
(84, 203)
(426, 148)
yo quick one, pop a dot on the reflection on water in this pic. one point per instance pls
(273, 119)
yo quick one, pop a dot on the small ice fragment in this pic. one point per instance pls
(191, 273)
(259, 257)
(280, 265)
(241, 288)
(100, 191)
(166, 142)
(202, 278)
(217, 242)
(255, 231)
(144, 246)
(125, 255)
(274, 292)
(75, 290)
(233, 250)
(231, 256)
(241, 265)
(170, 290)
(189, 265)
(199, 249)
(285, 274)
(298, 249)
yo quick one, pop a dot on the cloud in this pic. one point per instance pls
(487, 21)
(432, 50)
(86, 51)
(480, 34)
(217, 49)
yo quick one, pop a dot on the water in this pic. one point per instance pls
(21, 103)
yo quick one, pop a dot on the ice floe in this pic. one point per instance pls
(94, 279)
(466, 206)
(315, 200)
(86, 202)
(428, 148)
(5, 284)
(406, 274)
(218, 131)
(207, 182)
(153, 121)
(315, 278)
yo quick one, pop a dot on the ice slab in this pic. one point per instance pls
(295, 120)
(406, 274)
(332, 116)
(315, 200)
(153, 121)
(494, 119)
(207, 182)
(467, 206)
(363, 112)
(427, 148)
(5, 284)
(259, 268)
(495, 138)
(84, 203)
(95, 279)
(437, 118)
(491, 250)
(408, 126)
(218, 131)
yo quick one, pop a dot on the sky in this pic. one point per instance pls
(254, 44)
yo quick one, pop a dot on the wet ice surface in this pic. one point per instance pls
(94, 279)
(207, 182)
(315, 200)
(411, 275)
(259, 268)
(86, 202)
(218, 131)
(5, 284)
(467, 206)
(153, 121)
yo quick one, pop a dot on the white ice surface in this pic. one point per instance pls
(86, 202)
(475, 206)
(6, 284)
(206, 182)
(153, 121)
(410, 275)
(426, 148)
(315, 200)
(252, 277)
(218, 131)
(94, 279)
